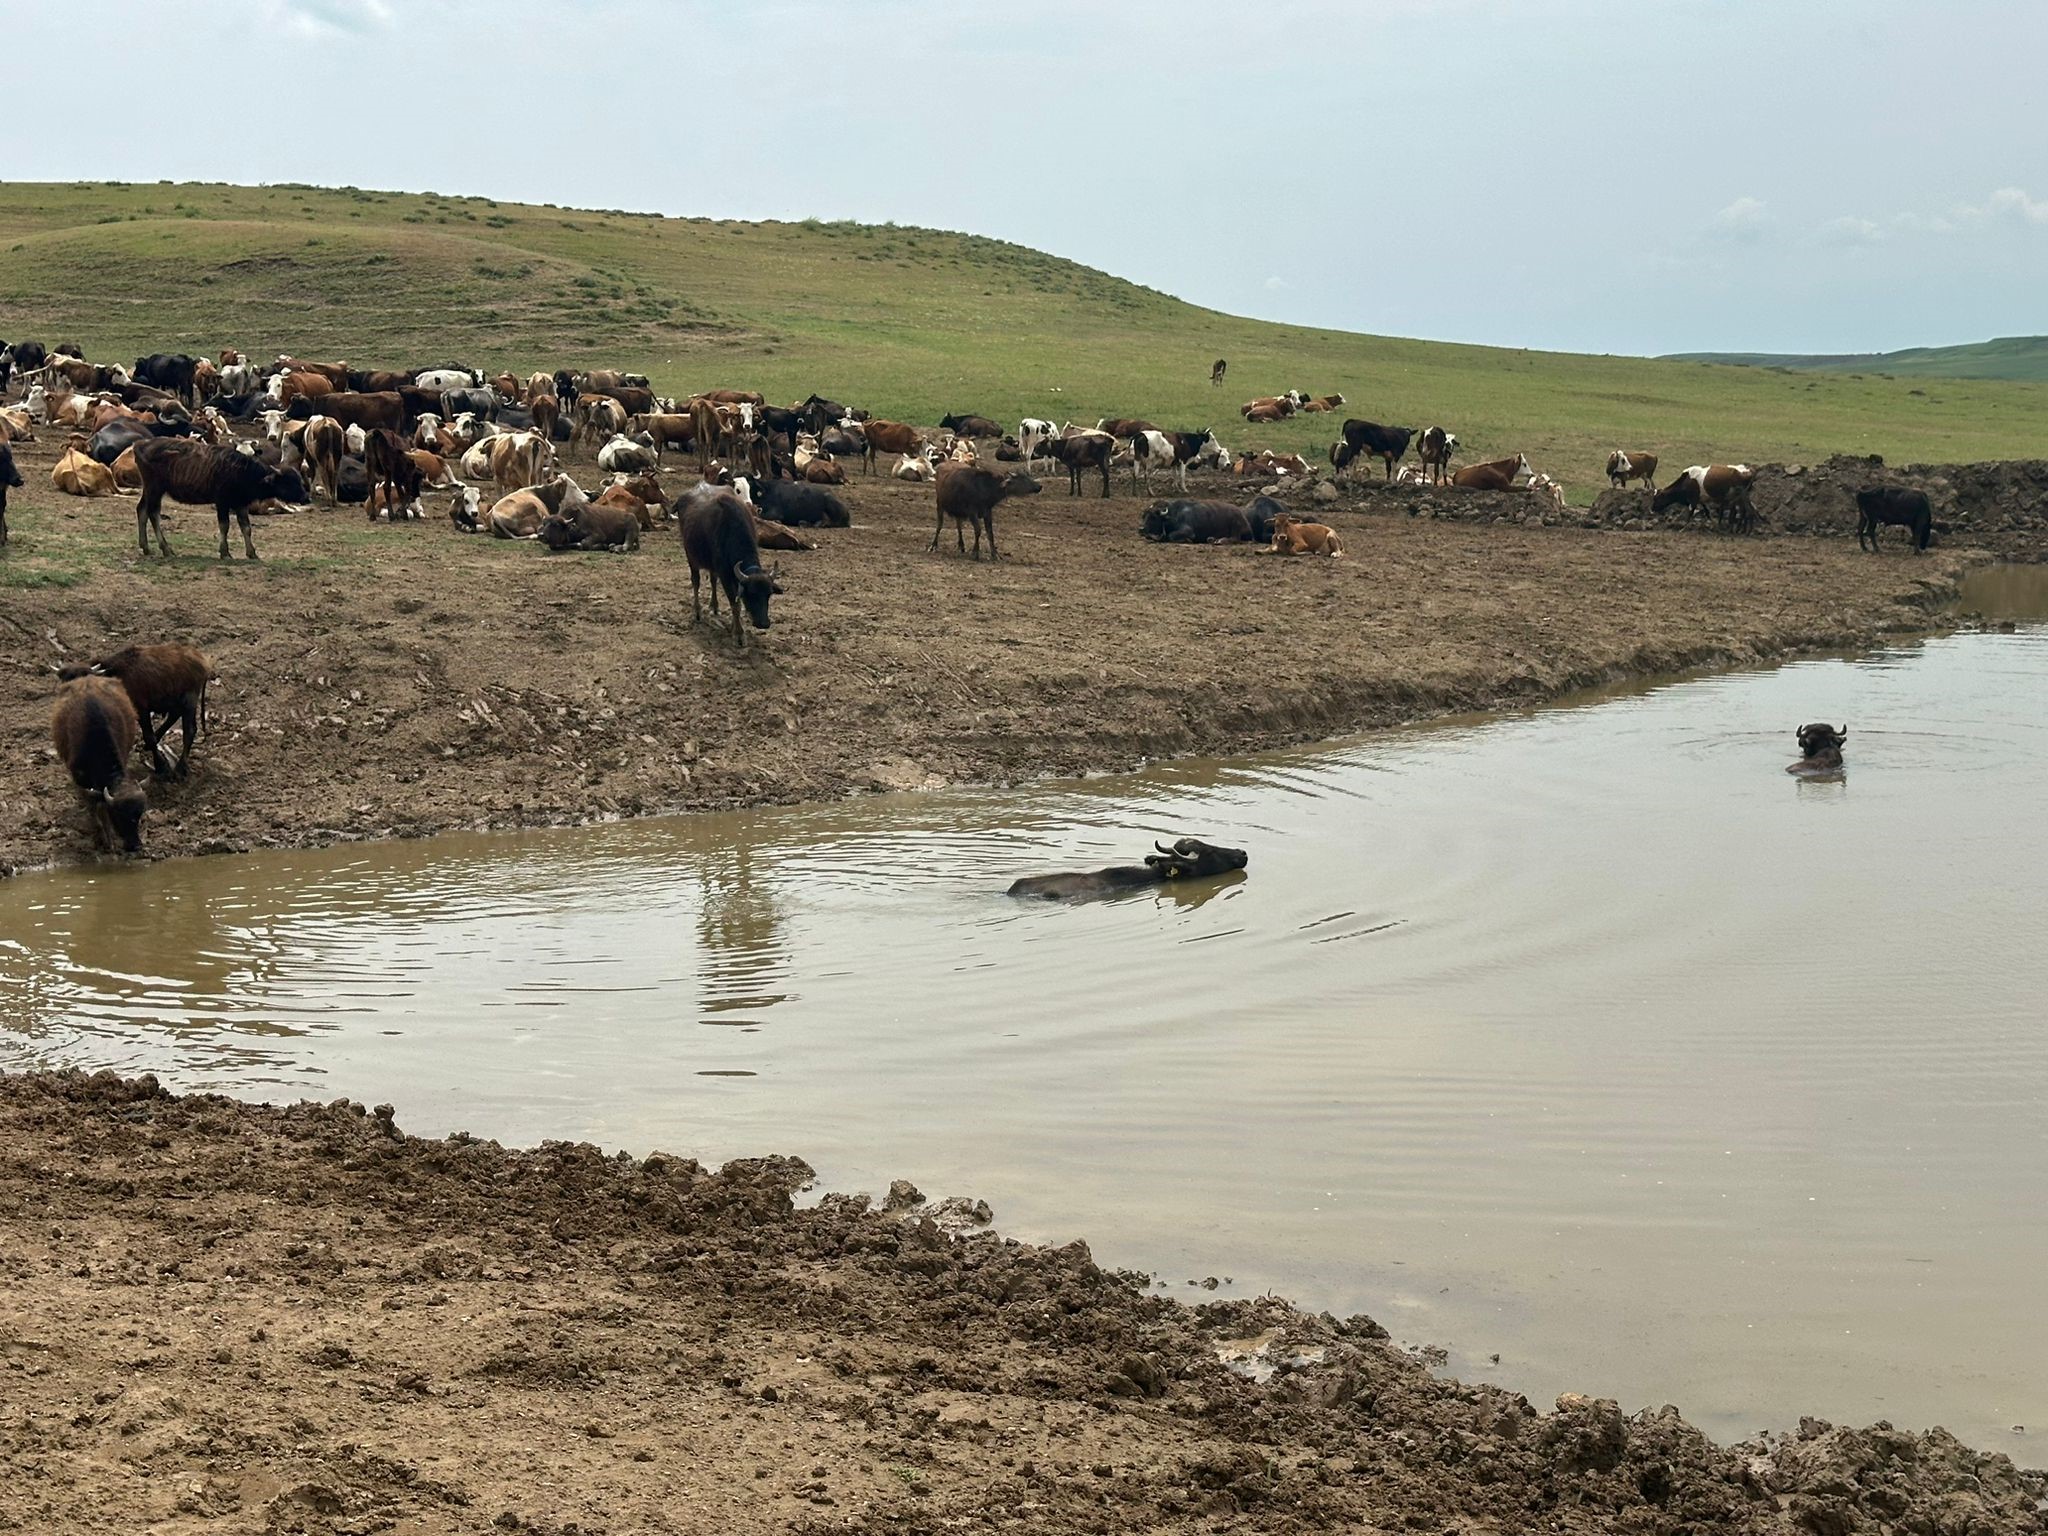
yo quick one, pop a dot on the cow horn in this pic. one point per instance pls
(1163, 848)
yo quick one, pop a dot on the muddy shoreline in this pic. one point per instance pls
(226, 1316)
(382, 681)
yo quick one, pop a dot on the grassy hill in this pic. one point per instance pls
(2008, 357)
(908, 322)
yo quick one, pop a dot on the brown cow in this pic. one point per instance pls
(1322, 403)
(1624, 465)
(196, 474)
(969, 494)
(94, 729)
(1124, 426)
(1268, 408)
(321, 445)
(547, 410)
(890, 437)
(1294, 537)
(1434, 449)
(385, 408)
(77, 475)
(824, 472)
(640, 495)
(304, 386)
(335, 374)
(1494, 475)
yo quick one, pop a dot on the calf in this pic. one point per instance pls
(1217, 369)
(1623, 465)
(1081, 451)
(1188, 859)
(94, 728)
(164, 683)
(969, 494)
(196, 474)
(1293, 537)
(717, 531)
(1893, 506)
(10, 479)
(1434, 449)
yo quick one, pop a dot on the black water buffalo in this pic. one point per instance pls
(971, 426)
(1387, 444)
(1893, 506)
(1188, 859)
(717, 530)
(117, 437)
(1188, 521)
(1820, 748)
(10, 478)
(799, 505)
(171, 371)
(197, 475)
(968, 493)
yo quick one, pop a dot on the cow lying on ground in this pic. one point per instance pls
(520, 514)
(164, 683)
(76, 473)
(1820, 748)
(1189, 521)
(1624, 465)
(971, 426)
(970, 494)
(1493, 475)
(1893, 506)
(800, 505)
(591, 526)
(1188, 859)
(197, 475)
(94, 729)
(1293, 537)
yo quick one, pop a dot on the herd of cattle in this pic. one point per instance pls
(245, 437)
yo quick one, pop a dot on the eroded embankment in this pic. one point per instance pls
(396, 681)
(220, 1316)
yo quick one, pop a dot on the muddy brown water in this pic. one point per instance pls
(1586, 1038)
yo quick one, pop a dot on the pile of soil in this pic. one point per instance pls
(221, 1316)
(2000, 506)
(385, 681)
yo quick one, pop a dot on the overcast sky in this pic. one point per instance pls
(1593, 175)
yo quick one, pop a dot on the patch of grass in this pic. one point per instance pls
(908, 322)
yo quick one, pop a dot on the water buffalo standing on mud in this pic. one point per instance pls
(198, 475)
(969, 494)
(1893, 506)
(717, 530)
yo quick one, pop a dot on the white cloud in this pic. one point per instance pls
(1746, 219)
(324, 18)
(2009, 203)
(1275, 283)
(1852, 231)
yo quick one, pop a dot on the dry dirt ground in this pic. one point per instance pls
(395, 681)
(221, 1317)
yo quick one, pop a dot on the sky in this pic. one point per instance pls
(1630, 176)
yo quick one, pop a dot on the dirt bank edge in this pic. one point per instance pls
(228, 1315)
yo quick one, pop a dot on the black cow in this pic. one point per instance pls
(9, 477)
(717, 530)
(799, 505)
(513, 418)
(1369, 437)
(1082, 451)
(242, 407)
(6, 367)
(29, 355)
(781, 421)
(1893, 506)
(196, 474)
(482, 401)
(1188, 859)
(1197, 522)
(818, 413)
(117, 437)
(968, 493)
(971, 426)
(172, 371)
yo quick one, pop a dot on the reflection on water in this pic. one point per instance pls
(1588, 1037)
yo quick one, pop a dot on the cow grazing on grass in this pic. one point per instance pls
(199, 475)
(1291, 536)
(969, 494)
(1820, 748)
(1081, 451)
(1434, 449)
(1188, 859)
(1159, 450)
(717, 530)
(94, 729)
(1624, 465)
(1493, 475)
(1217, 369)
(1370, 439)
(165, 683)
(10, 479)
(1893, 506)
(1722, 488)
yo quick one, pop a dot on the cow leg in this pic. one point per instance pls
(190, 714)
(154, 729)
(696, 605)
(1105, 477)
(990, 520)
(937, 528)
(960, 536)
(248, 538)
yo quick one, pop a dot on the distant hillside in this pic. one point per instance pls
(2009, 357)
(910, 323)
